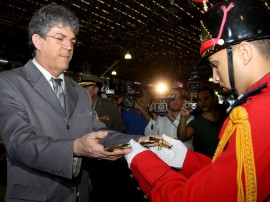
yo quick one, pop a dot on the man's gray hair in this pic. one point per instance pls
(50, 16)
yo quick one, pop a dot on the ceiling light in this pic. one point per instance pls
(3, 61)
(128, 56)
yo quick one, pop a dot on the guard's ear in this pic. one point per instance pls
(245, 52)
(37, 41)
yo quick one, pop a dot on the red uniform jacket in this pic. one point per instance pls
(202, 180)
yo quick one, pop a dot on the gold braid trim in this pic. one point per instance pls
(244, 153)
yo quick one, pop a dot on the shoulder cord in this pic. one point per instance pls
(244, 153)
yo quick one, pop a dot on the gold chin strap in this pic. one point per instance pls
(244, 153)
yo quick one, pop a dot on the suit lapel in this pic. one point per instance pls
(71, 97)
(42, 87)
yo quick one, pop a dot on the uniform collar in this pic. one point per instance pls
(254, 89)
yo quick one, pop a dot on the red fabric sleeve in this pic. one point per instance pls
(156, 173)
(193, 162)
(155, 166)
(161, 183)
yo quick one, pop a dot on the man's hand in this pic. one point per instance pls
(151, 110)
(174, 156)
(136, 148)
(184, 111)
(89, 146)
(137, 106)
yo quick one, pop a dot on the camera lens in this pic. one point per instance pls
(160, 107)
(129, 102)
(191, 106)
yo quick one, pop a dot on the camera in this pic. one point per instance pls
(106, 92)
(130, 97)
(109, 91)
(191, 105)
(194, 86)
(161, 107)
(128, 101)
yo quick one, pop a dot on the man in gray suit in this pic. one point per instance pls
(46, 137)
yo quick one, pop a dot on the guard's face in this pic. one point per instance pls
(219, 64)
(55, 50)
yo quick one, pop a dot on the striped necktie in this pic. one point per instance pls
(58, 89)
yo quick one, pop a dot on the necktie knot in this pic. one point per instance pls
(56, 82)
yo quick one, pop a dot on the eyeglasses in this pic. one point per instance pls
(62, 39)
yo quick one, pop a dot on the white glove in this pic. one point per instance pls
(136, 149)
(174, 156)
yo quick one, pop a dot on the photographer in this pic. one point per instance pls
(136, 116)
(205, 127)
(168, 123)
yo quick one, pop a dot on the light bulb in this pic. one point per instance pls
(128, 56)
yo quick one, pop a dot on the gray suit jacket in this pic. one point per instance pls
(39, 135)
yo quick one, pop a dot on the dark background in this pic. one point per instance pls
(162, 37)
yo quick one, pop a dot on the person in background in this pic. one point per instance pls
(136, 118)
(236, 43)
(107, 111)
(112, 176)
(46, 121)
(168, 123)
(205, 127)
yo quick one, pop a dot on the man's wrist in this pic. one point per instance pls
(184, 117)
(75, 148)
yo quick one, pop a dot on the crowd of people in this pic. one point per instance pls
(54, 129)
